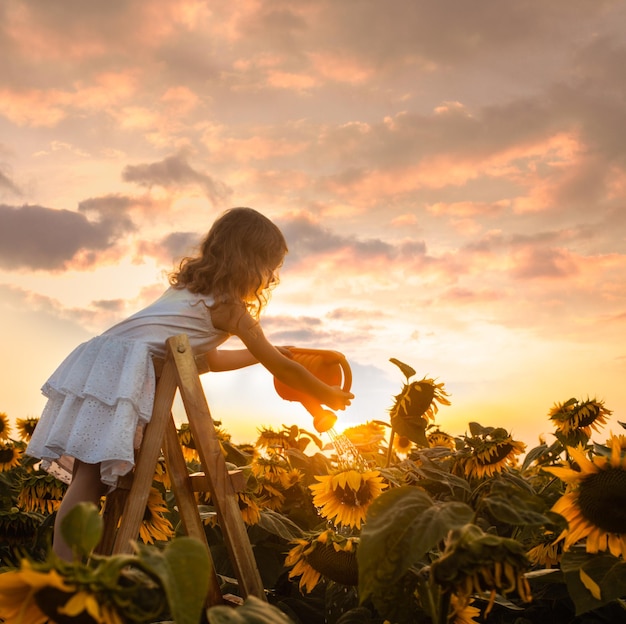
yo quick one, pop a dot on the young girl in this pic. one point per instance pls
(100, 397)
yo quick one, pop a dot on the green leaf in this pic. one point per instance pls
(252, 611)
(402, 525)
(599, 570)
(533, 455)
(82, 528)
(477, 429)
(277, 524)
(413, 429)
(429, 471)
(358, 615)
(407, 371)
(183, 569)
(513, 510)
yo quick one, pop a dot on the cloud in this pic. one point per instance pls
(8, 184)
(39, 238)
(175, 172)
(174, 246)
(306, 238)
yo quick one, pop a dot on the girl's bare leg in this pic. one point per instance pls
(85, 487)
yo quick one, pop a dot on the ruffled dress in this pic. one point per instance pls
(100, 397)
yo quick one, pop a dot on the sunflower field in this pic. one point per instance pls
(394, 521)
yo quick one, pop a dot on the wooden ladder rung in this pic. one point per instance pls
(201, 483)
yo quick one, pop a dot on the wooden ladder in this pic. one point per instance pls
(125, 506)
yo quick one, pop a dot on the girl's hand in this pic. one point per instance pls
(339, 399)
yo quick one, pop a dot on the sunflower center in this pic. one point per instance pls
(348, 496)
(6, 455)
(586, 419)
(602, 499)
(495, 454)
(339, 566)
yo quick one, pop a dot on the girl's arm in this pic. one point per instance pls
(227, 359)
(232, 359)
(235, 319)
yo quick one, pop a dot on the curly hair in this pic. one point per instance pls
(238, 260)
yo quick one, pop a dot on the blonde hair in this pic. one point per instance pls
(237, 261)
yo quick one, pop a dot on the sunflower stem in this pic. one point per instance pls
(390, 449)
(444, 607)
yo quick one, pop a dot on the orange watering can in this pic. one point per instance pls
(329, 366)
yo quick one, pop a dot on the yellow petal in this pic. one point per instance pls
(579, 456)
(75, 605)
(354, 480)
(590, 584)
(79, 602)
(565, 474)
(37, 579)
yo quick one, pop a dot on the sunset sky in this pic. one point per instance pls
(450, 177)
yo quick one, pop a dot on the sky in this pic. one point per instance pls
(450, 177)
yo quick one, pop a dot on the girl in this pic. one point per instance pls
(100, 397)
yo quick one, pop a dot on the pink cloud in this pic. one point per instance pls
(469, 208)
(340, 68)
(47, 107)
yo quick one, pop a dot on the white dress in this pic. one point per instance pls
(100, 397)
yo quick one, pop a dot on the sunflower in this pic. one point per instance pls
(345, 495)
(221, 433)
(26, 427)
(593, 502)
(247, 448)
(18, 593)
(5, 427)
(327, 554)
(441, 438)
(279, 441)
(9, 456)
(272, 469)
(296, 559)
(478, 562)
(18, 527)
(291, 478)
(249, 507)
(367, 438)
(41, 493)
(155, 527)
(621, 439)
(575, 418)
(402, 445)
(490, 451)
(161, 474)
(269, 495)
(187, 443)
(419, 399)
(547, 553)
(86, 602)
(463, 614)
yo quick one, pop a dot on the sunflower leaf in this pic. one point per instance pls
(278, 524)
(534, 455)
(413, 429)
(252, 610)
(183, 569)
(514, 510)
(407, 371)
(402, 525)
(606, 572)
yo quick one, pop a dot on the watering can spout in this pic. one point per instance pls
(332, 368)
